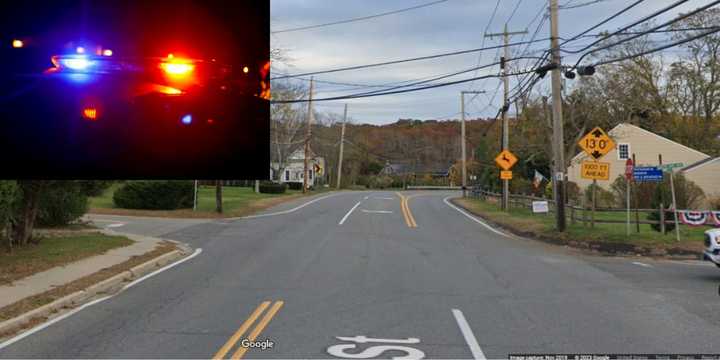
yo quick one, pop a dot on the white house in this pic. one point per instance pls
(294, 170)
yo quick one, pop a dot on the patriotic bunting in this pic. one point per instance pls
(715, 215)
(693, 218)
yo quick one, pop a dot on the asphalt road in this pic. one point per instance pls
(433, 284)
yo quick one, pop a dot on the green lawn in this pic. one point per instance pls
(55, 251)
(237, 201)
(544, 224)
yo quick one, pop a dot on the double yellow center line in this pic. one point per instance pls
(240, 352)
(409, 219)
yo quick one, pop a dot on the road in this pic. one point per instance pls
(431, 283)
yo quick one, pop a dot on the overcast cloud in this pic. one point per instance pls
(445, 27)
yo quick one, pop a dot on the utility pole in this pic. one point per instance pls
(462, 137)
(307, 139)
(342, 143)
(558, 137)
(506, 85)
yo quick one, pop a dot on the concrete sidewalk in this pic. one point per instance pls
(61, 275)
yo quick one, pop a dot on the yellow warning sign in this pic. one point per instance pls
(596, 143)
(505, 160)
(506, 175)
(595, 170)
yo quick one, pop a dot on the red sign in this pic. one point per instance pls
(629, 169)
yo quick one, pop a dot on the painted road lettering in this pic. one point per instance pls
(340, 350)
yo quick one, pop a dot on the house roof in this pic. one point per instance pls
(699, 164)
(619, 127)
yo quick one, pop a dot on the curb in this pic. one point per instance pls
(107, 286)
(588, 250)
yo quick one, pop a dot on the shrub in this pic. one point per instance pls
(273, 188)
(155, 195)
(687, 194)
(61, 203)
(603, 198)
(94, 187)
(295, 185)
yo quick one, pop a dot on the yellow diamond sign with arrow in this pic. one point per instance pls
(505, 160)
(596, 143)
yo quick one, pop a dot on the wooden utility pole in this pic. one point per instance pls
(307, 139)
(342, 144)
(558, 137)
(463, 137)
(506, 106)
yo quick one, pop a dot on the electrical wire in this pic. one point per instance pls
(357, 67)
(613, 16)
(642, 33)
(358, 18)
(355, 96)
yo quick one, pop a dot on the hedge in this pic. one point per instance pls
(272, 188)
(155, 195)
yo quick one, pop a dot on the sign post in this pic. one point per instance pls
(672, 191)
(596, 143)
(628, 176)
(505, 160)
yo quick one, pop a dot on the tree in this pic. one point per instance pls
(286, 123)
(218, 196)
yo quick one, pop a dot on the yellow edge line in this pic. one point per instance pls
(259, 328)
(410, 216)
(243, 328)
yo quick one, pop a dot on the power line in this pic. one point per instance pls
(475, 68)
(669, 22)
(635, 23)
(667, 46)
(482, 43)
(358, 18)
(613, 16)
(592, 2)
(400, 91)
(357, 67)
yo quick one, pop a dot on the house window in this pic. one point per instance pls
(287, 175)
(310, 174)
(623, 151)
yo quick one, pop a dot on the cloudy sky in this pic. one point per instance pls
(444, 27)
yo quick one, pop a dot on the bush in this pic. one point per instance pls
(61, 203)
(273, 188)
(155, 195)
(603, 198)
(94, 187)
(294, 185)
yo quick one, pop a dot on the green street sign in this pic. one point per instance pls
(668, 167)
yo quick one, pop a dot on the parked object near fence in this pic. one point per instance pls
(540, 207)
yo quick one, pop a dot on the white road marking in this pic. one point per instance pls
(284, 211)
(384, 198)
(361, 339)
(166, 267)
(48, 323)
(445, 200)
(115, 225)
(365, 198)
(642, 264)
(468, 334)
(96, 301)
(376, 211)
(349, 212)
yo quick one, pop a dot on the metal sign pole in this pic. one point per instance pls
(672, 191)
